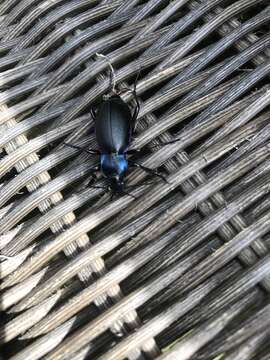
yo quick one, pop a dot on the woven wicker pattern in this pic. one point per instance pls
(181, 270)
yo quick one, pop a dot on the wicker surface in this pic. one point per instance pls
(182, 271)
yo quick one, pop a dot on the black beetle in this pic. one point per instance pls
(114, 127)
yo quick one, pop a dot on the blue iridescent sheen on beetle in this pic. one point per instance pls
(113, 165)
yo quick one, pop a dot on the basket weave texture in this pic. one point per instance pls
(180, 269)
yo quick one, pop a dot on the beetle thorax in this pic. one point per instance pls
(114, 166)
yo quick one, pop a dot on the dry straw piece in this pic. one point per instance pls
(180, 270)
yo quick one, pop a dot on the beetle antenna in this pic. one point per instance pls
(112, 72)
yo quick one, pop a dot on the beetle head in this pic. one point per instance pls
(117, 184)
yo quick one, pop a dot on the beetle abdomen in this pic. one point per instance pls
(113, 126)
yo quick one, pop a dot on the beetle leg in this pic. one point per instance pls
(148, 170)
(84, 149)
(93, 178)
(86, 183)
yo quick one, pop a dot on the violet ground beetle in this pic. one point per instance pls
(114, 127)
